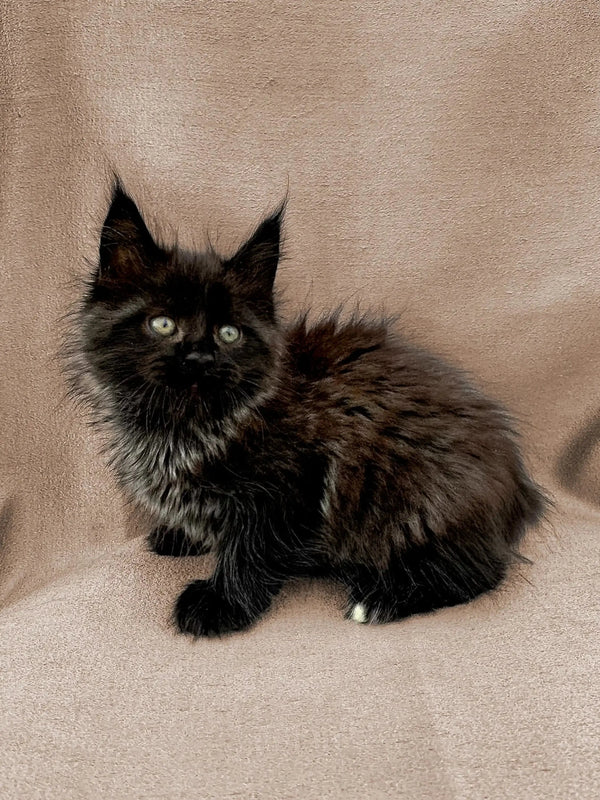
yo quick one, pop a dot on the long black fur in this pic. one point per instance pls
(338, 448)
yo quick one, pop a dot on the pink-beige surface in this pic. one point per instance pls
(443, 163)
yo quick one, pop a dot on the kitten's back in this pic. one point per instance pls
(408, 436)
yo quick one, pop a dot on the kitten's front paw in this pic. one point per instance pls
(173, 542)
(203, 611)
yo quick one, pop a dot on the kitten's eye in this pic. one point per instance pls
(164, 326)
(228, 334)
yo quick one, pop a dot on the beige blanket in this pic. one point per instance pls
(443, 162)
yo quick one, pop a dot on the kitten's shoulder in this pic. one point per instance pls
(331, 344)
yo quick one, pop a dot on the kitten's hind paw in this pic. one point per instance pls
(372, 609)
(365, 614)
(358, 613)
(368, 613)
(203, 611)
(173, 542)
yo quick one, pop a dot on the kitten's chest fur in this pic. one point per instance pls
(163, 473)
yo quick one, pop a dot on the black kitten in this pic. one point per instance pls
(338, 449)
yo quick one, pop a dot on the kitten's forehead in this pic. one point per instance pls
(206, 264)
(195, 268)
(192, 282)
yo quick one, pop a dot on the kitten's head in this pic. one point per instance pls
(170, 334)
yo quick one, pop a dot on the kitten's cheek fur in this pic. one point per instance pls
(202, 610)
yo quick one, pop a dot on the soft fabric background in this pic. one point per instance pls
(443, 162)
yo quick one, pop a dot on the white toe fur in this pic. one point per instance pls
(359, 613)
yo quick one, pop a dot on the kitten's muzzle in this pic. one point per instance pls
(196, 359)
(197, 365)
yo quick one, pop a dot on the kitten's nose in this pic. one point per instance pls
(197, 359)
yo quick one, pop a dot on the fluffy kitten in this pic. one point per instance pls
(338, 449)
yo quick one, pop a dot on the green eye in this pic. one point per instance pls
(164, 326)
(228, 334)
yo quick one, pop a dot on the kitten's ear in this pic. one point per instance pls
(126, 244)
(256, 261)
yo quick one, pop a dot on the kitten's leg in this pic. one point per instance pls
(241, 588)
(174, 542)
(423, 580)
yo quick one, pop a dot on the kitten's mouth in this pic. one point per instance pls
(195, 386)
